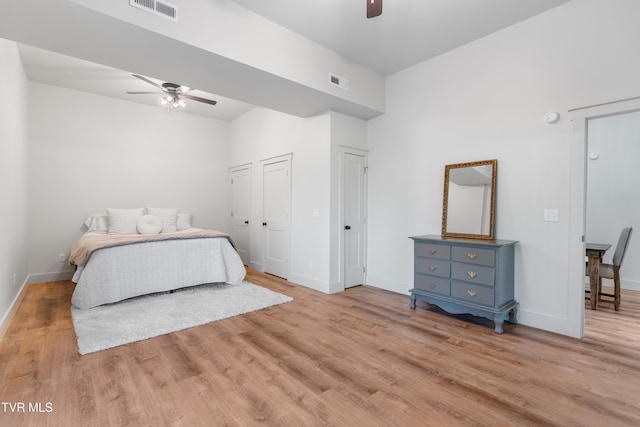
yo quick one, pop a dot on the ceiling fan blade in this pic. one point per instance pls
(197, 98)
(374, 8)
(144, 79)
(144, 93)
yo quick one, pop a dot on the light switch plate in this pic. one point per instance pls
(551, 215)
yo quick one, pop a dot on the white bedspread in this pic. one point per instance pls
(121, 272)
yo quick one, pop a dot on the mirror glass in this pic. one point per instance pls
(469, 199)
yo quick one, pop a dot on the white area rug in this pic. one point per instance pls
(148, 316)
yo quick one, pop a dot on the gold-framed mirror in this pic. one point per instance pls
(468, 206)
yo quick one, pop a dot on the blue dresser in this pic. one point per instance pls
(466, 276)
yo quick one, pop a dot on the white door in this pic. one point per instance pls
(354, 219)
(241, 211)
(276, 216)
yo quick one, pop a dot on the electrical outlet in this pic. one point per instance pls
(310, 263)
(62, 257)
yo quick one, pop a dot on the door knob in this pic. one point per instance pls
(347, 227)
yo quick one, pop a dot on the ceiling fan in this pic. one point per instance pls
(374, 8)
(173, 94)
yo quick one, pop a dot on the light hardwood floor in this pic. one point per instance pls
(357, 358)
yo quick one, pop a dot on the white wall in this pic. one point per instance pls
(612, 189)
(487, 100)
(316, 144)
(88, 152)
(13, 179)
(261, 134)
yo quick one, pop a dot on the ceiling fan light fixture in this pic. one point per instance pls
(172, 94)
(172, 102)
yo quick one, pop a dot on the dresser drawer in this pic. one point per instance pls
(437, 285)
(473, 255)
(433, 267)
(472, 293)
(430, 250)
(473, 273)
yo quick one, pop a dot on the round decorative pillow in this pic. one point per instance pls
(149, 224)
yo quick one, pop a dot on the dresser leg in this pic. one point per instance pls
(412, 301)
(498, 319)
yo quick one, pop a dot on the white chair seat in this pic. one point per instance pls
(606, 271)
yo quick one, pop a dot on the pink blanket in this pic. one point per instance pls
(87, 244)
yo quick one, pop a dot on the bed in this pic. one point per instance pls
(115, 262)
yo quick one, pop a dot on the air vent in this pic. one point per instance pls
(160, 8)
(341, 82)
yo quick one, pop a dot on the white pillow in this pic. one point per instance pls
(184, 221)
(97, 223)
(124, 221)
(169, 218)
(149, 224)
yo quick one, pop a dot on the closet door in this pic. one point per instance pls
(241, 210)
(277, 215)
(354, 219)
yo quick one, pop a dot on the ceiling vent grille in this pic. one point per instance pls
(161, 8)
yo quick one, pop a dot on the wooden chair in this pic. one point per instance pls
(612, 271)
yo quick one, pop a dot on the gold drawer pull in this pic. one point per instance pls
(472, 274)
(472, 255)
(471, 293)
(431, 285)
(432, 268)
(432, 251)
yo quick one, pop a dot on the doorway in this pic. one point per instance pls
(613, 144)
(580, 118)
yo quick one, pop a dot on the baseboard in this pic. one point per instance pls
(335, 287)
(632, 285)
(50, 277)
(255, 265)
(389, 285)
(13, 308)
(547, 322)
(309, 282)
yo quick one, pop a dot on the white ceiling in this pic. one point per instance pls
(408, 32)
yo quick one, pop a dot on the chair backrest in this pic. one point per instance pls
(621, 247)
